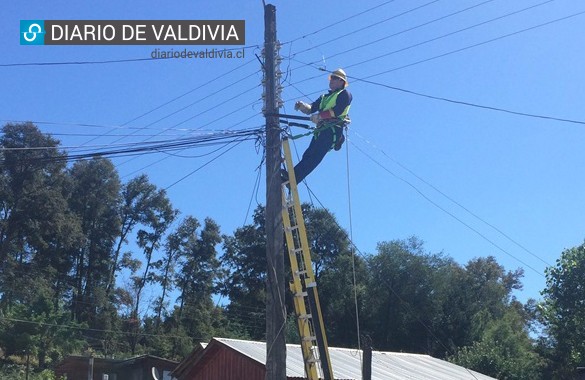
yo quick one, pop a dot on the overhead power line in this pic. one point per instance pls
(468, 47)
(86, 125)
(164, 158)
(177, 98)
(237, 142)
(73, 327)
(24, 64)
(365, 44)
(458, 204)
(460, 102)
(439, 37)
(162, 146)
(102, 62)
(468, 103)
(339, 22)
(381, 22)
(467, 225)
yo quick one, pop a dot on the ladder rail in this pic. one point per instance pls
(303, 282)
(300, 308)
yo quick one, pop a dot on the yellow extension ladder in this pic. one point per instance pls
(303, 284)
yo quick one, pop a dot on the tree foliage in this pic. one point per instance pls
(564, 312)
(67, 232)
(71, 233)
(503, 351)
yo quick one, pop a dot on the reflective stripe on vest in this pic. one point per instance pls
(329, 101)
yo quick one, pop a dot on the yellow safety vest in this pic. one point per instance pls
(329, 101)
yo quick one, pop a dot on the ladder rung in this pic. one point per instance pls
(297, 277)
(291, 228)
(311, 285)
(309, 338)
(301, 294)
(305, 316)
(300, 272)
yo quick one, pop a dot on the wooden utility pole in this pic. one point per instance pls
(275, 307)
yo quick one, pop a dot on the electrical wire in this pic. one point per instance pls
(163, 159)
(177, 98)
(84, 125)
(38, 323)
(379, 23)
(235, 144)
(312, 64)
(338, 22)
(435, 38)
(467, 225)
(141, 148)
(472, 46)
(103, 62)
(464, 103)
(458, 204)
(491, 108)
(207, 96)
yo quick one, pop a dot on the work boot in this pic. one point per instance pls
(284, 178)
(284, 175)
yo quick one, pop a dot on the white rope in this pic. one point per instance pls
(357, 316)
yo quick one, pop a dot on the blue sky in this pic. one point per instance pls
(413, 160)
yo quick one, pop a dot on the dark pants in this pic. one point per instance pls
(317, 149)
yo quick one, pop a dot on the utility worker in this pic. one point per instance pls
(330, 114)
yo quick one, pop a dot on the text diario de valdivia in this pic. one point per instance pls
(145, 32)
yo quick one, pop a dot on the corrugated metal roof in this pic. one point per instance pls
(346, 363)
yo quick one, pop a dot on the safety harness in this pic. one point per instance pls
(341, 121)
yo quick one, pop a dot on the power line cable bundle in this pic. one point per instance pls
(133, 149)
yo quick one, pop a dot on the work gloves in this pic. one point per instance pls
(323, 115)
(315, 118)
(303, 107)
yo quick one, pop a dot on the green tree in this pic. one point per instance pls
(39, 329)
(95, 200)
(244, 259)
(563, 312)
(37, 231)
(341, 299)
(335, 267)
(158, 216)
(463, 316)
(35, 226)
(504, 351)
(197, 281)
(415, 303)
(137, 198)
(401, 293)
(327, 240)
(177, 243)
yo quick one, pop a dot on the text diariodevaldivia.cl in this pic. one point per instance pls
(200, 54)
